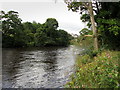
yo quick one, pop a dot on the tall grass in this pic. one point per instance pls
(101, 71)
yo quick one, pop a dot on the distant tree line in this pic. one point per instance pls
(27, 34)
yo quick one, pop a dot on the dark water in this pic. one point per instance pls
(48, 67)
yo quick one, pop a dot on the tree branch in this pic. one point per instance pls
(88, 35)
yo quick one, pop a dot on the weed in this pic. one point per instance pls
(102, 71)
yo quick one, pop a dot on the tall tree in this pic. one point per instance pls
(12, 29)
(85, 6)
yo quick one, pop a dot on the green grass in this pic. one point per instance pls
(100, 71)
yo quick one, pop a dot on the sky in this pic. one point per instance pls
(39, 11)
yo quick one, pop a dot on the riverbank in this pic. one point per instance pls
(100, 71)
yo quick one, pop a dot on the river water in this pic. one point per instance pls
(48, 67)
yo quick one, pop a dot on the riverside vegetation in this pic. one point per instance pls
(95, 69)
(98, 68)
(26, 34)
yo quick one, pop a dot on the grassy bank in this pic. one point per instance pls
(100, 71)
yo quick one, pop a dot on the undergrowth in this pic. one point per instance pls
(99, 71)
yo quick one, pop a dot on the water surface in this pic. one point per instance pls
(48, 67)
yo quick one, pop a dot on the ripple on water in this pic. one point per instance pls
(38, 67)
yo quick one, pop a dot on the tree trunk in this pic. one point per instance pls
(95, 36)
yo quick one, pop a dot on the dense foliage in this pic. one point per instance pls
(107, 18)
(12, 29)
(98, 69)
(108, 25)
(18, 34)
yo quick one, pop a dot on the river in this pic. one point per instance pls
(46, 67)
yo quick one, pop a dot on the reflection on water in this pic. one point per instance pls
(38, 67)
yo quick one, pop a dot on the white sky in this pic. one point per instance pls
(40, 11)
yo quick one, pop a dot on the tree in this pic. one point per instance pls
(12, 29)
(85, 6)
(63, 38)
(17, 34)
(85, 31)
(29, 26)
(48, 35)
(108, 21)
(40, 37)
(51, 23)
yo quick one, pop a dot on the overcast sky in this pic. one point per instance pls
(40, 11)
